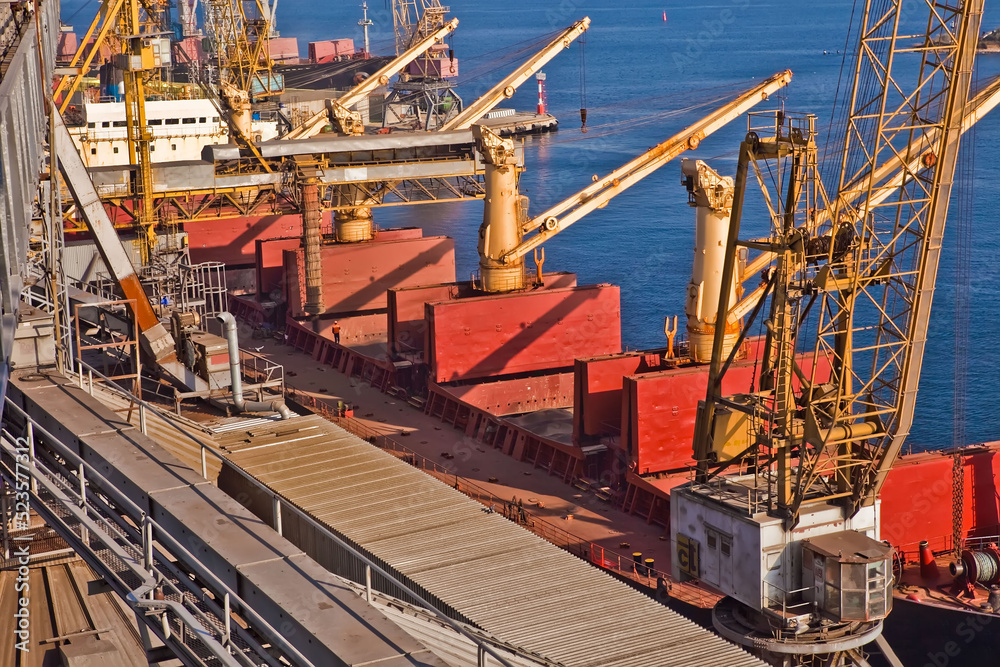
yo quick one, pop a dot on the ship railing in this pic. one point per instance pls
(262, 370)
(113, 189)
(607, 559)
(780, 599)
(87, 376)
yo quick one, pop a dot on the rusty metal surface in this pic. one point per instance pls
(233, 240)
(63, 602)
(660, 409)
(356, 276)
(597, 400)
(522, 332)
(516, 395)
(481, 566)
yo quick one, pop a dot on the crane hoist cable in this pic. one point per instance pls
(583, 83)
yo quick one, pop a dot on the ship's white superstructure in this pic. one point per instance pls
(180, 129)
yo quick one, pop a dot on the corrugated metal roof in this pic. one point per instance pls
(505, 579)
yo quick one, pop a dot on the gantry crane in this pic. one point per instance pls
(239, 30)
(136, 27)
(502, 242)
(847, 285)
(426, 85)
(338, 112)
(712, 195)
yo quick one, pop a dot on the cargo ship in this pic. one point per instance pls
(590, 413)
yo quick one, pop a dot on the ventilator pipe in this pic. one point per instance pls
(239, 403)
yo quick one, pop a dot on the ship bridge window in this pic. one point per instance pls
(215, 119)
(106, 123)
(155, 121)
(190, 121)
(202, 119)
(91, 125)
(118, 123)
(171, 121)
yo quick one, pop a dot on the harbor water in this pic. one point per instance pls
(647, 70)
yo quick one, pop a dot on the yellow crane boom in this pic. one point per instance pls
(505, 89)
(501, 244)
(347, 122)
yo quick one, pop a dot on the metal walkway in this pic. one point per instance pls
(205, 577)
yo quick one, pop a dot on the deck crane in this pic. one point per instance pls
(505, 88)
(355, 224)
(502, 242)
(712, 195)
(792, 540)
(338, 112)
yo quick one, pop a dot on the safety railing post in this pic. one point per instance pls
(147, 544)
(204, 463)
(84, 535)
(31, 455)
(276, 506)
(368, 583)
(228, 613)
(142, 419)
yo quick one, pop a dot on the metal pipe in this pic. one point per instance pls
(239, 402)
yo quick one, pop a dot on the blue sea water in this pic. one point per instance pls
(645, 79)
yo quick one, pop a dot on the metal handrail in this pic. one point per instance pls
(280, 505)
(591, 552)
(51, 482)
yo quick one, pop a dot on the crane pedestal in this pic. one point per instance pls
(751, 629)
(821, 586)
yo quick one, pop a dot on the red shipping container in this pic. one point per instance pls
(438, 68)
(283, 49)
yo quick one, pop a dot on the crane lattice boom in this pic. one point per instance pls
(860, 267)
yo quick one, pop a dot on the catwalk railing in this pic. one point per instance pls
(515, 510)
(90, 379)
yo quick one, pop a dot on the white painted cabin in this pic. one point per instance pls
(180, 129)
